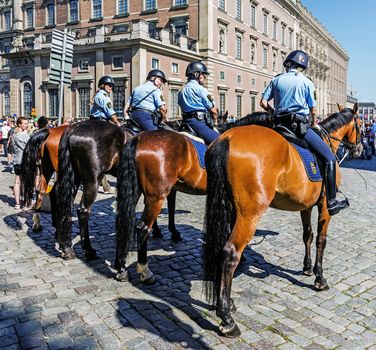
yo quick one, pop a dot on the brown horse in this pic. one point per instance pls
(157, 164)
(253, 168)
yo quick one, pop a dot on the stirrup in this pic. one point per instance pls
(335, 206)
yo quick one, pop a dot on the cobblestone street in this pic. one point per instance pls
(49, 303)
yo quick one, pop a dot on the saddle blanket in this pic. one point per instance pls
(200, 150)
(310, 164)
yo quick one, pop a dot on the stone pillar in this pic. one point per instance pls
(139, 67)
(206, 25)
(99, 66)
(15, 102)
(67, 108)
(17, 15)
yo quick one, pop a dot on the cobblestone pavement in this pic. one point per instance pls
(49, 303)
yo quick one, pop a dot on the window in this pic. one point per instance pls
(83, 65)
(6, 49)
(239, 79)
(253, 104)
(27, 99)
(283, 34)
(122, 7)
(238, 54)
(222, 103)
(222, 75)
(180, 26)
(53, 97)
(253, 52)
(221, 5)
(73, 10)
(117, 62)
(51, 14)
(238, 9)
(174, 107)
(290, 39)
(265, 23)
(29, 12)
(238, 106)
(180, 2)
(253, 81)
(175, 68)
(97, 8)
(275, 29)
(253, 15)
(7, 20)
(283, 57)
(84, 102)
(119, 100)
(274, 63)
(6, 102)
(265, 57)
(150, 5)
(155, 63)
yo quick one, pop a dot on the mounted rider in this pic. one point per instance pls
(198, 107)
(102, 106)
(295, 108)
(146, 105)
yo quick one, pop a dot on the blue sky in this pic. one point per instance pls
(352, 23)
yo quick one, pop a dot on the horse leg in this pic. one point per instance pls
(171, 202)
(244, 230)
(83, 212)
(152, 209)
(64, 243)
(307, 239)
(156, 231)
(322, 229)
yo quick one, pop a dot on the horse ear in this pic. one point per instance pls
(356, 108)
(340, 107)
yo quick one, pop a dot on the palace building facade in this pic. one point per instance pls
(243, 43)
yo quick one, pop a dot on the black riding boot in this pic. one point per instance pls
(334, 205)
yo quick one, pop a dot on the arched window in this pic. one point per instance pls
(6, 102)
(27, 99)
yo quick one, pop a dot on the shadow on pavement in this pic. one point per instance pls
(360, 164)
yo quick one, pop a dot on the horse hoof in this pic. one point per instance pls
(91, 255)
(37, 228)
(229, 331)
(122, 276)
(175, 237)
(68, 255)
(308, 272)
(149, 281)
(243, 259)
(321, 285)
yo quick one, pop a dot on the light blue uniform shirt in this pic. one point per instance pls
(292, 92)
(146, 96)
(102, 106)
(194, 97)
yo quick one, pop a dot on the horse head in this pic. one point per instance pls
(352, 137)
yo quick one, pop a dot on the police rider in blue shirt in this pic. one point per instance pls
(102, 106)
(146, 100)
(293, 92)
(196, 103)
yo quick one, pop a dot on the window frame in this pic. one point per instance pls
(26, 17)
(47, 22)
(79, 65)
(126, 12)
(93, 4)
(7, 25)
(239, 40)
(70, 11)
(113, 62)
(155, 60)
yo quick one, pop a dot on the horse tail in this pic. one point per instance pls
(29, 163)
(66, 186)
(218, 216)
(128, 193)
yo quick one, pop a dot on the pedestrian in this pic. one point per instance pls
(146, 105)
(4, 130)
(102, 106)
(42, 123)
(198, 107)
(10, 143)
(294, 105)
(20, 139)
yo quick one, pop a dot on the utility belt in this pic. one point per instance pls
(92, 117)
(156, 115)
(201, 116)
(297, 123)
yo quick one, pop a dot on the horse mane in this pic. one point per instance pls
(337, 120)
(256, 118)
